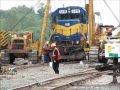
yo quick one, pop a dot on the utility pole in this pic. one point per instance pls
(91, 23)
(45, 19)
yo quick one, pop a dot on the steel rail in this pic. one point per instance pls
(63, 81)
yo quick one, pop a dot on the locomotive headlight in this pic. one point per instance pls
(67, 24)
(77, 42)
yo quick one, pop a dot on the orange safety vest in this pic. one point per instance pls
(53, 55)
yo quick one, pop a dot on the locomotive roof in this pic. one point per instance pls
(56, 12)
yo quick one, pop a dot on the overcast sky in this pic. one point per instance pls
(99, 6)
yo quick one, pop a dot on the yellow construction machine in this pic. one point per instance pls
(4, 38)
(19, 47)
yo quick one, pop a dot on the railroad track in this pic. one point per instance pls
(63, 82)
(34, 65)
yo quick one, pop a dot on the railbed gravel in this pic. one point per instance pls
(101, 83)
(36, 74)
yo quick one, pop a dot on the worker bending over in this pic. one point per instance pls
(46, 51)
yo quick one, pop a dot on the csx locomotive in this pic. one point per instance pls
(70, 31)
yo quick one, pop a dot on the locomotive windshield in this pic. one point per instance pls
(77, 16)
(69, 16)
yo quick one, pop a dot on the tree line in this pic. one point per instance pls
(22, 18)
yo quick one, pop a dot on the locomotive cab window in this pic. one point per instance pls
(56, 38)
(69, 16)
(81, 17)
(55, 19)
(84, 18)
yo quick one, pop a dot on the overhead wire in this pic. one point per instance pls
(50, 32)
(24, 16)
(111, 11)
(119, 12)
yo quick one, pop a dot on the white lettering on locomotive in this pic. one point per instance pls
(75, 11)
(62, 11)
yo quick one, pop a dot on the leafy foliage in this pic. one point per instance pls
(22, 18)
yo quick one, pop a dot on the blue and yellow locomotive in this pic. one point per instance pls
(70, 31)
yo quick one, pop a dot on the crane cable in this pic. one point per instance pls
(24, 16)
(119, 12)
(50, 31)
(111, 11)
(85, 3)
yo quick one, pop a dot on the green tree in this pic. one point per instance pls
(22, 18)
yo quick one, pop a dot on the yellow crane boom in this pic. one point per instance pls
(91, 23)
(45, 19)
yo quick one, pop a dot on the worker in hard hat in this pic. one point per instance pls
(45, 52)
(55, 58)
